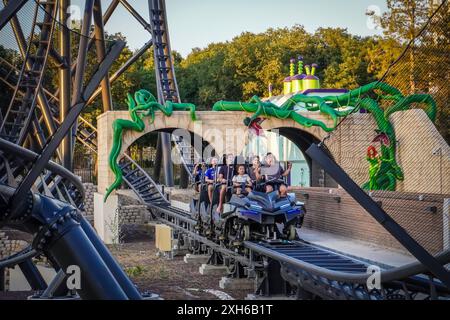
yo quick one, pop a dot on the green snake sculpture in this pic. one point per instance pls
(383, 173)
(143, 105)
(383, 169)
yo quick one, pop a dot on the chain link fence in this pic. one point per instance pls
(402, 157)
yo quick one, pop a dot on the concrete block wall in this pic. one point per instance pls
(133, 214)
(131, 211)
(349, 144)
(90, 190)
(422, 153)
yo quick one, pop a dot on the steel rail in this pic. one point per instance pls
(51, 166)
(389, 275)
(17, 258)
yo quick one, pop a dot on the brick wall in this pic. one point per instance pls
(10, 246)
(334, 211)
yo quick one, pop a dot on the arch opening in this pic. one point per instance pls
(144, 150)
(289, 144)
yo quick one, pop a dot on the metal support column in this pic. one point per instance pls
(125, 283)
(65, 82)
(101, 52)
(123, 68)
(80, 69)
(136, 15)
(32, 274)
(158, 160)
(166, 146)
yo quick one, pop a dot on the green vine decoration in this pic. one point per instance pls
(143, 105)
(384, 170)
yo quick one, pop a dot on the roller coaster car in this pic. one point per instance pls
(257, 216)
(267, 216)
(201, 200)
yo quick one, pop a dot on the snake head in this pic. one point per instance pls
(382, 138)
(255, 125)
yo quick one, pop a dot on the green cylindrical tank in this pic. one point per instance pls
(287, 86)
(311, 81)
(297, 83)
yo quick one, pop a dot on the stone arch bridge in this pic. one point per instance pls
(226, 133)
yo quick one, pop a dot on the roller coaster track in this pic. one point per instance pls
(35, 191)
(55, 182)
(320, 271)
(20, 113)
(316, 270)
(188, 155)
(86, 132)
(165, 72)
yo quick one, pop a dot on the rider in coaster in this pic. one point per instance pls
(274, 172)
(242, 181)
(210, 178)
(226, 173)
(198, 172)
(255, 172)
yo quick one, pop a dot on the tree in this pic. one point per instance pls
(402, 22)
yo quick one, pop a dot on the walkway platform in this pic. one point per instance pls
(377, 255)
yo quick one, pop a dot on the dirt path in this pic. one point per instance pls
(171, 279)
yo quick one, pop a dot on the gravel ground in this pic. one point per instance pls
(171, 279)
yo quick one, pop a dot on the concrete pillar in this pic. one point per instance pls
(106, 219)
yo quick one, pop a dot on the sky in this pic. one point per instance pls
(196, 23)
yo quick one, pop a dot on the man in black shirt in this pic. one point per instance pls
(226, 174)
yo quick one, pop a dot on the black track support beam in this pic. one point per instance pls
(32, 274)
(65, 83)
(341, 177)
(125, 283)
(100, 45)
(10, 10)
(50, 148)
(75, 249)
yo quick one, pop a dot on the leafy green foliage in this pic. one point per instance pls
(245, 66)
